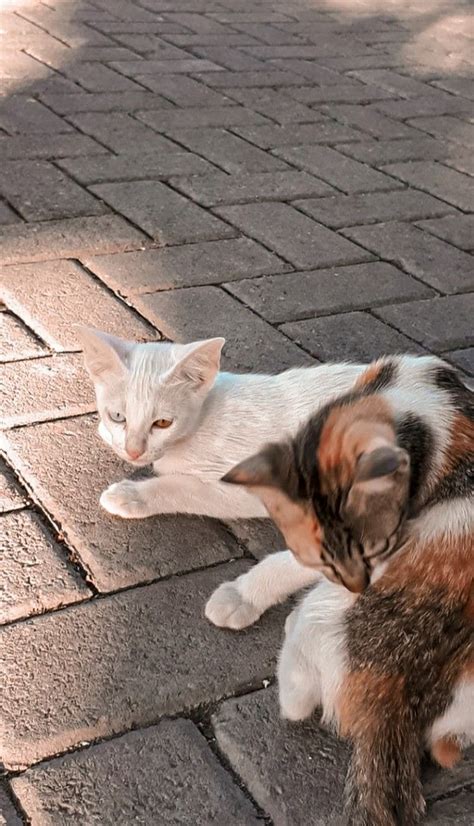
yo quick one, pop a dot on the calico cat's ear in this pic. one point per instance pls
(105, 356)
(199, 365)
(273, 467)
(378, 469)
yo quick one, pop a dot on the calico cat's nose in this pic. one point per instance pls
(356, 577)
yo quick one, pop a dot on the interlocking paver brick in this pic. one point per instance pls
(297, 134)
(442, 266)
(439, 323)
(463, 358)
(16, 341)
(342, 172)
(121, 662)
(348, 337)
(269, 34)
(228, 151)
(196, 22)
(65, 294)
(164, 214)
(300, 295)
(290, 769)
(230, 58)
(11, 496)
(314, 73)
(117, 553)
(23, 114)
(462, 164)
(176, 120)
(456, 229)
(445, 183)
(7, 215)
(454, 811)
(71, 237)
(292, 235)
(133, 68)
(370, 121)
(220, 188)
(122, 133)
(183, 90)
(105, 102)
(275, 105)
(300, 51)
(456, 85)
(243, 80)
(36, 575)
(44, 388)
(381, 152)
(200, 312)
(40, 191)
(259, 537)
(211, 39)
(56, 146)
(116, 782)
(133, 167)
(210, 262)
(8, 815)
(345, 93)
(99, 78)
(405, 87)
(423, 106)
(374, 208)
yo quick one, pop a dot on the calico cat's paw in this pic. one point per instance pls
(124, 499)
(228, 609)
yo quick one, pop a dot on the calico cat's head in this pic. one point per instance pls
(338, 491)
(148, 395)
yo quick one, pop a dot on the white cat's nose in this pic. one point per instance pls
(134, 454)
(134, 447)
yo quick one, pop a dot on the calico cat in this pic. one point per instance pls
(377, 492)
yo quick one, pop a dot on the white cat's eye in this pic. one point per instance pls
(163, 423)
(117, 417)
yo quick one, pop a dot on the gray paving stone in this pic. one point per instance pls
(188, 65)
(345, 93)
(370, 121)
(16, 341)
(135, 167)
(164, 214)
(64, 295)
(373, 208)
(438, 264)
(462, 164)
(68, 238)
(301, 295)
(273, 135)
(105, 102)
(183, 90)
(292, 235)
(445, 183)
(342, 172)
(121, 662)
(116, 782)
(8, 815)
(40, 191)
(229, 151)
(258, 536)
(275, 105)
(454, 810)
(255, 79)
(23, 114)
(176, 120)
(426, 106)
(210, 262)
(99, 78)
(268, 33)
(405, 87)
(439, 323)
(7, 215)
(300, 52)
(230, 58)
(219, 188)
(11, 496)
(210, 39)
(290, 769)
(146, 41)
(462, 358)
(44, 388)
(379, 153)
(197, 22)
(456, 229)
(56, 146)
(456, 85)
(349, 337)
(122, 133)
(313, 72)
(117, 553)
(36, 575)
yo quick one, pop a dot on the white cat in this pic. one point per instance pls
(169, 405)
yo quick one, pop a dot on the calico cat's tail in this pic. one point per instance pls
(383, 786)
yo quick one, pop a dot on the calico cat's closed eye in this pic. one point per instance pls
(116, 417)
(163, 423)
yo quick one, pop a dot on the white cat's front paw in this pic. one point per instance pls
(124, 499)
(228, 609)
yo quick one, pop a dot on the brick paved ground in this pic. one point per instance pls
(295, 176)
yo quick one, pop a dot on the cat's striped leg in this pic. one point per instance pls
(240, 603)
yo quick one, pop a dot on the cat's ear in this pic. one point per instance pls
(199, 365)
(379, 469)
(105, 356)
(379, 492)
(273, 467)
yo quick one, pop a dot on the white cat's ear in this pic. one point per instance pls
(199, 365)
(105, 356)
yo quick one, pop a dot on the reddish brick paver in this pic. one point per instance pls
(296, 177)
